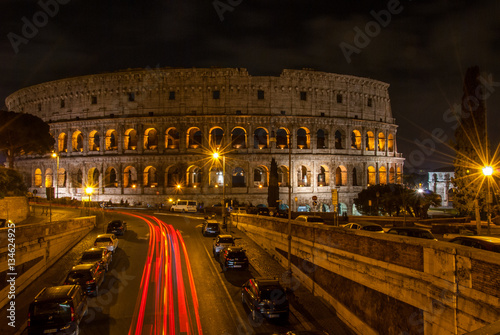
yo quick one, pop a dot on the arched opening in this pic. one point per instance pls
(62, 142)
(321, 139)
(392, 175)
(194, 137)
(150, 178)
(260, 176)
(238, 177)
(93, 178)
(372, 178)
(381, 141)
(150, 139)
(283, 176)
(173, 176)
(304, 177)
(282, 138)
(194, 176)
(341, 176)
(390, 143)
(356, 139)
(370, 141)
(172, 138)
(38, 178)
(323, 176)
(215, 137)
(398, 175)
(130, 139)
(77, 141)
(61, 178)
(111, 140)
(303, 138)
(216, 177)
(354, 177)
(339, 143)
(94, 140)
(78, 179)
(382, 175)
(129, 177)
(239, 138)
(260, 138)
(110, 177)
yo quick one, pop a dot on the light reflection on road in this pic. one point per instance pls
(167, 302)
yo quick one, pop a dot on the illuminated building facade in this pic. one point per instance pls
(145, 135)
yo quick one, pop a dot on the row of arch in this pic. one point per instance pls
(193, 176)
(262, 139)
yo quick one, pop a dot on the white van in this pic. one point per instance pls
(185, 206)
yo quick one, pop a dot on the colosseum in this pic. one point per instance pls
(148, 135)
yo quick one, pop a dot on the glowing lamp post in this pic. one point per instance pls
(89, 190)
(488, 172)
(216, 155)
(56, 156)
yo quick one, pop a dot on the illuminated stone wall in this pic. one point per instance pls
(145, 135)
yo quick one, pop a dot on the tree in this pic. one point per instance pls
(22, 133)
(11, 183)
(471, 144)
(380, 199)
(273, 191)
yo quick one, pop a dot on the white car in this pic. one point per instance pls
(109, 241)
(185, 206)
(221, 242)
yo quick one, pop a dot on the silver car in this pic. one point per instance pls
(221, 242)
(109, 241)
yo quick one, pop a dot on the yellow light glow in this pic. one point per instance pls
(178, 186)
(89, 190)
(54, 155)
(216, 185)
(170, 200)
(487, 170)
(194, 186)
(260, 186)
(215, 155)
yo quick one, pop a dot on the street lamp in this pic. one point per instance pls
(216, 155)
(56, 156)
(89, 190)
(488, 172)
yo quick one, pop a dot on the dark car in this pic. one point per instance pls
(412, 232)
(373, 227)
(210, 227)
(57, 310)
(117, 227)
(263, 211)
(88, 276)
(310, 218)
(265, 297)
(93, 255)
(480, 242)
(233, 258)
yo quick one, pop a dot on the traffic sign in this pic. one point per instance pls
(315, 198)
(230, 209)
(315, 203)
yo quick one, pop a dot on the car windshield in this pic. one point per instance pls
(45, 313)
(312, 219)
(192, 203)
(236, 254)
(103, 239)
(373, 228)
(115, 224)
(272, 293)
(226, 240)
(212, 225)
(92, 256)
(79, 276)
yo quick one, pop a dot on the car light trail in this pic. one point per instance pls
(167, 303)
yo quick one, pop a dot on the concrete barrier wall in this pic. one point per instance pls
(386, 284)
(37, 247)
(15, 209)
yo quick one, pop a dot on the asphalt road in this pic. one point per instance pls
(164, 279)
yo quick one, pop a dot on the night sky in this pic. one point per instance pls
(422, 50)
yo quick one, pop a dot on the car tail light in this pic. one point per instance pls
(90, 282)
(72, 314)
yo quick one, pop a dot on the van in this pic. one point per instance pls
(57, 309)
(185, 206)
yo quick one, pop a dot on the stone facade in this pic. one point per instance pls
(146, 135)
(440, 182)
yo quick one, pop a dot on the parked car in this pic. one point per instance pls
(210, 227)
(263, 211)
(307, 218)
(433, 213)
(221, 242)
(97, 254)
(106, 240)
(412, 232)
(233, 258)
(265, 297)
(57, 310)
(480, 242)
(184, 206)
(88, 276)
(373, 227)
(117, 227)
